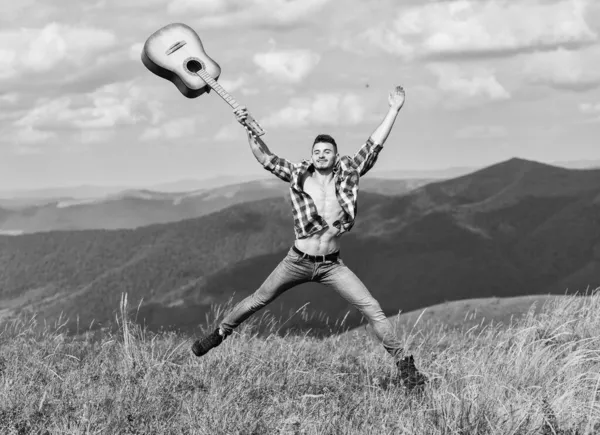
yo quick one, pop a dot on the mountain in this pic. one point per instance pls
(20, 197)
(133, 208)
(94, 192)
(579, 164)
(52, 193)
(136, 208)
(192, 184)
(438, 174)
(515, 228)
(457, 171)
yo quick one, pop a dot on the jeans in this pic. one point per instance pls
(294, 270)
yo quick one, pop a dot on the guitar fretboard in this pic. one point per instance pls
(218, 88)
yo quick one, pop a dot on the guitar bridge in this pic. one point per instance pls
(173, 48)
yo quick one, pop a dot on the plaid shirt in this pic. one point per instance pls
(347, 172)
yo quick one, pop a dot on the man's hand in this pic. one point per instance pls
(396, 98)
(241, 113)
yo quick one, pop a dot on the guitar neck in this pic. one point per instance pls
(210, 81)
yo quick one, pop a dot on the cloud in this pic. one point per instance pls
(287, 65)
(231, 132)
(233, 13)
(27, 150)
(9, 98)
(565, 69)
(481, 132)
(55, 46)
(135, 51)
(469, 28)
(95, 136)
(324, 109)
(28, 135)
(172, 129)
(590, 108)
(109, 106)
(233, 85)
(467, 87)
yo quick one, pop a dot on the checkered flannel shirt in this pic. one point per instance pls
(347, 172)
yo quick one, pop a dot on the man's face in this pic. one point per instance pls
(323, 155)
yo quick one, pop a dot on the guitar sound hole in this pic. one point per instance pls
(194, 66)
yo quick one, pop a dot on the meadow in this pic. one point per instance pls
(538, 375)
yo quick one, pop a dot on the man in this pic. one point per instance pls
(324, 197)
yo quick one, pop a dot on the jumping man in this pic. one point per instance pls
(324, 193)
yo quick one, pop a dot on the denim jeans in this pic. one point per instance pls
(294, 270)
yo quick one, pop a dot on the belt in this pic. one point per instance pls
(318, 258)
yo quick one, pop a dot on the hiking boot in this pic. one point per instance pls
(408, 373)
(202, 346)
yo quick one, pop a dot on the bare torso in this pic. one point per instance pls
(327, 240)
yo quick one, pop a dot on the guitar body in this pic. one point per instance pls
(175, 53)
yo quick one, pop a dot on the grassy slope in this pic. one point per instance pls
(537, 376)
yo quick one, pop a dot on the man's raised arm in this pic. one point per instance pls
(276, 165)
(367, 155)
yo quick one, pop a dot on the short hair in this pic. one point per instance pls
(325, 138)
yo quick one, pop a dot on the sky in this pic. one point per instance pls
(485, 81)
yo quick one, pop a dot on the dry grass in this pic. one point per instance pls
(539, 376)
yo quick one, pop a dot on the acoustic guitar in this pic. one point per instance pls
(175, 53)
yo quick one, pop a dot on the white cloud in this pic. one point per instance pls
(389, 41)
(467, 87)
(10, 98)
(53, 46)
(481, 132)
(96, 136)
(590, 108)
(135, 51)
(27, 150)
(575, 70)
(29, 135)
(232, 85)
(287, 65)
(323, 109)
(231, 132)
(482, 28)
(107, 107)
(172, 129)
(231, 13)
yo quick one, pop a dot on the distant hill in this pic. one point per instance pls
(94, 192)
(136, 208)
(515, 228)
(192, 184)
(42, 195)
(39, 195)
(469, 313)
(457, 171)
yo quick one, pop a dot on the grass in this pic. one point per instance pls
(540, 375)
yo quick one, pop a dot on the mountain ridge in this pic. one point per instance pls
(412, 250)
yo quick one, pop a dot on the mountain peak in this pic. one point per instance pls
(511, 179)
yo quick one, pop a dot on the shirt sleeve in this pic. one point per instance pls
(280, 167)
(366, 156)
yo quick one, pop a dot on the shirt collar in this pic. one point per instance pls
(310, 166)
